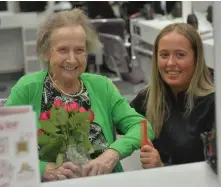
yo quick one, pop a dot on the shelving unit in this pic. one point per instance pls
(18, 38)
(11, 40)
(31, 61)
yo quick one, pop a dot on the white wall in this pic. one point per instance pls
(201, 6)
(132, 162)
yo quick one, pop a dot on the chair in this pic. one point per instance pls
(115, 54)
(118, 60)
(2, 88)
(2, 102)
(115, 26)
(110, 26)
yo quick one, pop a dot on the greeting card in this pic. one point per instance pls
(18, 148)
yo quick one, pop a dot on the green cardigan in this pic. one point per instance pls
(106, 102)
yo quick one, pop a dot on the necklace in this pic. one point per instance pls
(70, 95)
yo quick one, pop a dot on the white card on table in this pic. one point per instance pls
(19, 165)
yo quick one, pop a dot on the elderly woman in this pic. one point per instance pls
(179, 101)
(63, 42)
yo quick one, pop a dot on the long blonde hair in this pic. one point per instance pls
(201, 83)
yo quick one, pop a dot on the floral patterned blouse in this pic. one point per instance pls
(96, 135)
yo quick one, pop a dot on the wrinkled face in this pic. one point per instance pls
(68, 55)
(176, 61)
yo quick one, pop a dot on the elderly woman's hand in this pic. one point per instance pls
(150, 157)
(66, 171)
(104, 164)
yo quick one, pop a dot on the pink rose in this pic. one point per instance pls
(73, 106)
(91, 117)
(57, 103)
(40, 131)
(44, 116)
(66, 107)
(48, 113)
(82, 109)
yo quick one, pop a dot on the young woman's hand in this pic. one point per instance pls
(150, 157)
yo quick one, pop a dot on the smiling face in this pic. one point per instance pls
(176, 61)
(67, 54)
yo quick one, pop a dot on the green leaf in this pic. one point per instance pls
(88, 146)
(48, 126)
(43, 139)
(55, 135)
(59, 160)
(59, 116)
(63, 148)
(80, 117)
(85, 128)
(63, 144)
(72, 122)
(63, 116)
(71, 140)
(79, 136)
(53, 115)
(49, 151)
(80, 121)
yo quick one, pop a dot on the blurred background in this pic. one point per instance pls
(127, 31)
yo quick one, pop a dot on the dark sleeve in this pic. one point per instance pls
(203, 115)
(210, 113)
(139, 103)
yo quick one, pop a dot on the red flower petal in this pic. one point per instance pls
(44, 116)
(73, 106)
(66, 107)
(57, 103)
(40, 131)
(82, 109)
(91, 117)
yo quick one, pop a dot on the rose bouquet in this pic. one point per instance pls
(64, 134)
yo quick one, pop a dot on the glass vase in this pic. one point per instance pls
(77, 155)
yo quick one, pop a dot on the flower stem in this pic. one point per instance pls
(65, 133)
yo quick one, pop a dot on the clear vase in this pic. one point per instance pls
(77, 155)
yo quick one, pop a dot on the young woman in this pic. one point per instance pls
(179, 101)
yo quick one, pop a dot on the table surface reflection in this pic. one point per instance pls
(192, 175)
